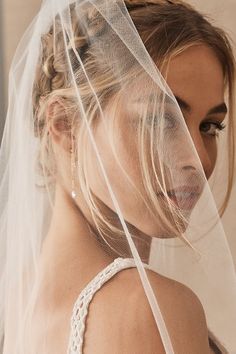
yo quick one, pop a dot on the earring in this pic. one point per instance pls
(73, 167)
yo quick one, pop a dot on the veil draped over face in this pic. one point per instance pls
(135, 165)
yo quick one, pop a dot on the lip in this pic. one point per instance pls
(184, 197)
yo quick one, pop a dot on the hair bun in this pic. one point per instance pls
(48, 67)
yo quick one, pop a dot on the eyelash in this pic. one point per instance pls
(169, 120)
(218, 126)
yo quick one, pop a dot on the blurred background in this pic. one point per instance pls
(16, 15)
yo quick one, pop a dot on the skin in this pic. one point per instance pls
(196, 77)
(199, 83)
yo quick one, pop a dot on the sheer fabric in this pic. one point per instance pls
(87, 59)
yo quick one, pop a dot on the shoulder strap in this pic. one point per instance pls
(80, 309)
(81, 306)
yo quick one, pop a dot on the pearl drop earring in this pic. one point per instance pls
(73, 167)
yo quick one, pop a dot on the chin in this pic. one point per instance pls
(155, 230)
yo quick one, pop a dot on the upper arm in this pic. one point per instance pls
(126, 323)
(142, 334)
(183, 315)
(182, 312)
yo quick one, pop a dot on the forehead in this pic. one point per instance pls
(196, 74)
(143, 90)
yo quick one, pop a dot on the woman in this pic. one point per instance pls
(114, 115)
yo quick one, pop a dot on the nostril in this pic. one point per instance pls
(189, 167)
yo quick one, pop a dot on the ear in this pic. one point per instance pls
(59, 124)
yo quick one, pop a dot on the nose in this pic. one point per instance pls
(203, 154)
(189, 157)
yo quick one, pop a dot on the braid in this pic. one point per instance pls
(52, 72)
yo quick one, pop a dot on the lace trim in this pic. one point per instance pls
(80, 309)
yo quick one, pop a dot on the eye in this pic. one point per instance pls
(169, 121)
(212, 128)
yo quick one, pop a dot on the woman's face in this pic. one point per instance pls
(196, 80)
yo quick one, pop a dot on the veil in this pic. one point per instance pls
(87, 68)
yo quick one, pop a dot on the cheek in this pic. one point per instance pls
(118, 160)
(213, 153)
(211, 149)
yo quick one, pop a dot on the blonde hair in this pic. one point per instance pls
(167, 28)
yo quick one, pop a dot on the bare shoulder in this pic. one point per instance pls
(183, 314)
(126, 316)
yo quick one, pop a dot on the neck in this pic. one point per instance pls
(71, 256)
(71, 244)
(70, 239)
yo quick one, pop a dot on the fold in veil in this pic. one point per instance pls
(190, 244)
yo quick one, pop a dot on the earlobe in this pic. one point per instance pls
(59, 124)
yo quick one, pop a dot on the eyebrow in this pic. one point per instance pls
(221, 108)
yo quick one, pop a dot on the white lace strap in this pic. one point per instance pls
(80, 309)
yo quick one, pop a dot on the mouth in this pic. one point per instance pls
(184, 197)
